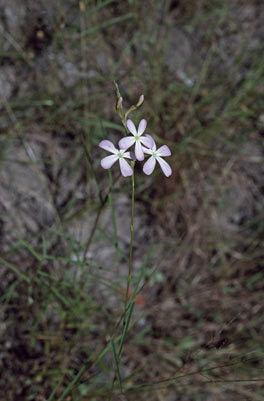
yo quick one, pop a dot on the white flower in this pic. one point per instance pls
(118, 154)
(137, 138)
(156, 155)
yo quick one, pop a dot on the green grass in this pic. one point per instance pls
(197, 285)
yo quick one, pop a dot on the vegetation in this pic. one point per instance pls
(196, 302)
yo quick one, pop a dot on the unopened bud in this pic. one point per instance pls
(119, 103)
(82, 6)
(140, 100)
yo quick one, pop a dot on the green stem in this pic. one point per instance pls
(131, 241)
(129, 270)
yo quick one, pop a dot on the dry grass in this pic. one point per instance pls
(198, 321)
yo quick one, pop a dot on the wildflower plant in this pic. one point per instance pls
(118, 154)
(137, 138)
(144, 146)
(157, 155)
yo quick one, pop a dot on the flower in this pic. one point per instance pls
(157, 154)
(118, 154)
(137, 138)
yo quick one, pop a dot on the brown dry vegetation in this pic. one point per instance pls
(198, 318)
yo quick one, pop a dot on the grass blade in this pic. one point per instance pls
(106, 24)
(116, 364)
(126, 325)
(53, 393)
(15, 270)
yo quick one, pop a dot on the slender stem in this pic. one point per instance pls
(129, 269)
(127, 313)
(131, 241)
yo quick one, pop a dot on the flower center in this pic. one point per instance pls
(137, 137)
(154, 154)
(120, 154)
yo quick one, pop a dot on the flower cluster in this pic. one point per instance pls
(144, 145)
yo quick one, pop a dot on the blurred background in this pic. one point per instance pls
(197, 326)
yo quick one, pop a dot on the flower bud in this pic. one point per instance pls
(119, 103)
(140, 101)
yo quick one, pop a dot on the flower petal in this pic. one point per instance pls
(147, 150)
(125, 168)
(126, 142)
(163, 151)
(139, 151)
(131, 127)
(165, 167)
(142, 126)
(127, 155)
(147, 141)
(153, 147)
(108, 161)
(107, 145)
(149, 165)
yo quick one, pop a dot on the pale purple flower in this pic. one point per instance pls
(156, 155)
(118, 154)
(137, 138)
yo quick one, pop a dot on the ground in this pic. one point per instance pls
(197, 323)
